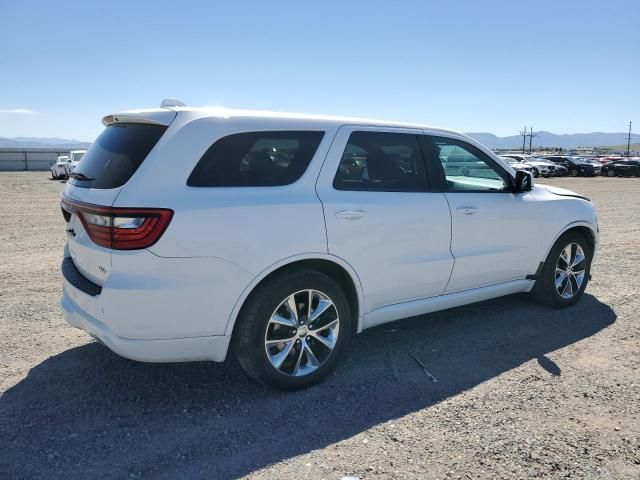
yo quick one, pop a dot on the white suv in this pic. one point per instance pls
(280, 236)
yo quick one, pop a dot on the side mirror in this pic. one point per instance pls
(524, 181)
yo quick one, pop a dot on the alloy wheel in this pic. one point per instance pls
(302, 332)
(570, 271)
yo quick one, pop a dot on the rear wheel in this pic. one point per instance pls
(536, 174)
(574, 173)
(55, 177)
(566, 272)
(293, 330)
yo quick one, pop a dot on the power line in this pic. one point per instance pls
(531, 137)
(524, 137)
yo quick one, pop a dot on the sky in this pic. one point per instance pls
(563, 66)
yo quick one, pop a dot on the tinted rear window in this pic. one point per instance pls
(116, 154)
(256, 159)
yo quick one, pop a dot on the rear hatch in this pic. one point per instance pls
(96, 182)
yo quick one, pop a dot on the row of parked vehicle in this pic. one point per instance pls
(563, 165)
(66, 164)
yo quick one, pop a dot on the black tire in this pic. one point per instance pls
(573, 173)
(55, 177)
(536, 174)
(611, 173)
(544, 290)
(248, 341)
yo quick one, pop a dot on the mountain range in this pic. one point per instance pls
(37, 142)
(543, 139)
(548, 139)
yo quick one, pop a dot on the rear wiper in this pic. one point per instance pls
(80, 176)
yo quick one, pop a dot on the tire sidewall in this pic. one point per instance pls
(548, 290)
(262, 306)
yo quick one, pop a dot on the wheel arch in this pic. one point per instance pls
(586, 229)
(334, 267)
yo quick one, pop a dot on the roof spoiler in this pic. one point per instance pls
(154, 117)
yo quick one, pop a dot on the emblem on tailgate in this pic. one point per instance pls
(102, 269)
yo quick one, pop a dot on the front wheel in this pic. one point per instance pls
(536, 174)
(566, 272)
(611, 173)
(293, 330)
(574, 173)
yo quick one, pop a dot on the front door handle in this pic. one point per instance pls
(350, 214)
(467, 210)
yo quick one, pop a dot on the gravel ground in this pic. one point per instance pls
(522, 391)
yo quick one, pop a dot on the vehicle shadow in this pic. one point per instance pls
(88, 413)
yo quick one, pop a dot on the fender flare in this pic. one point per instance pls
(233, 317)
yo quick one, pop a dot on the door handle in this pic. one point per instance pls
(350, 214)
(467, 210)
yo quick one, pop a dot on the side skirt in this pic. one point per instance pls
(397, 311)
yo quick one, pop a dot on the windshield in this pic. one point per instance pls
(77, 156)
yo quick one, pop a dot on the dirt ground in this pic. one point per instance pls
(523, 391)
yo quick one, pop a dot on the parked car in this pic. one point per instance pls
(622, 168)
(518, 165)
(74, 158)
(604, 160)
(575, 165)
(279, 236)
(539, 166)
(59, 168)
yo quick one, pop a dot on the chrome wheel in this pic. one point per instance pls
(302, 332)
(570, 271)
(611, 173)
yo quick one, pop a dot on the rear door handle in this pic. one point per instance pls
(350, 214)
(467, 210)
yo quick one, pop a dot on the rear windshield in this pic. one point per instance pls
(256, 159)
(116, 154)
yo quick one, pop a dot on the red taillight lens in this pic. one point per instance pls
(120, 228)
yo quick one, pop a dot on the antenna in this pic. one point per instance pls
(171, 102)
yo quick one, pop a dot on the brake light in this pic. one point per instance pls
(120, 228)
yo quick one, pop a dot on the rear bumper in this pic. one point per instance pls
(163, 350)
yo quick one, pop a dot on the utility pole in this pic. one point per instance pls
(524, 138)
(629, 140)
(531, 135)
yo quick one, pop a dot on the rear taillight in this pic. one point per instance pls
(120, 228)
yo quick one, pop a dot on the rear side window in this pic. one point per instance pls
(381, 161)
(256, 159)
(116, 154)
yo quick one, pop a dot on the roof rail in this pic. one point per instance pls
(171, 102)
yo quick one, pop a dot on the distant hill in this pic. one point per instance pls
(36, 142)
(547, 139)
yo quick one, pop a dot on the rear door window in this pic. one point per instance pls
(256, 159)
(116, 154)
(381, 161)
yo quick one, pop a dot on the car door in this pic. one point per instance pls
(381, 217)
(493, 227)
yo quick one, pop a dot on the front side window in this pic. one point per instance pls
(381, 161)
(256, 159)
(468, 169)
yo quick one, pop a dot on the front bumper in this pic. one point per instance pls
(163, 350)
